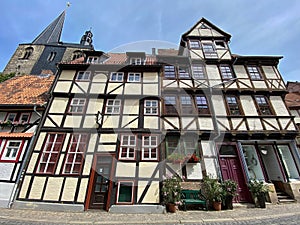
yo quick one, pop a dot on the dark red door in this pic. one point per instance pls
(100, 182)
(231, 169)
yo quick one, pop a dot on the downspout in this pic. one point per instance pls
(16, 188)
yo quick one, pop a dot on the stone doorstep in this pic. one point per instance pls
(138, 209)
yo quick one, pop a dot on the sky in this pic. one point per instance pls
(257, 27)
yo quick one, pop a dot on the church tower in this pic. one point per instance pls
(46, 50)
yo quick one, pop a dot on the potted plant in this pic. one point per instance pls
(258, 190)
(171, 193)
(176, 157)
(213, 192)
(230, 189)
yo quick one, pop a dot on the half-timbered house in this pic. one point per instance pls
(22, 103)
(292, 100)
(117, 123)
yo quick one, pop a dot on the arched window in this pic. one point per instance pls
(28, 52)
(51, 56)
(76, 55)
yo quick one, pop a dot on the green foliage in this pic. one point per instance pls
(229, 187)
(213, 190)
(258, 187)
(4, 77)
(171, 190)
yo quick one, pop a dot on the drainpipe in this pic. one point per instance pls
(16, 188)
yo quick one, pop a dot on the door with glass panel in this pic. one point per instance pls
(101, 182)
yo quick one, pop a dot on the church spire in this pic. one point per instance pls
(53, 32)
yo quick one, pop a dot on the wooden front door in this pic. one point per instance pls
(231, 169)
(101, 182)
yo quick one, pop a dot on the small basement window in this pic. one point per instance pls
(125, 192)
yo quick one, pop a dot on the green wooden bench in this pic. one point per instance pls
(193, 197)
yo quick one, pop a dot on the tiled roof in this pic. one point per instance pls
(25, 90)
(16, 135)
(292, 100)
(293, 87)
(115, 59)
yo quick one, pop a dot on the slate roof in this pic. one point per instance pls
(25, 90)
(53, 32)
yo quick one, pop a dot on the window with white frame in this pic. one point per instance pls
(254, 73)
(136, 61)
(209, 51)
(50, 153)
(151, 107)
(194, 44)
(134, 77)
(186, 104)
(11, 117)
(149, 148)
(75, 154)
(83, 75)
(127, 147)
(116, 76)
(198, 71)
(93, 59)
(11, 150)
(169, 72)
(125, 192)
(226, 72)
(202, 104)
(24, 117)
(77, 105)
(183, 72)
(113, 106)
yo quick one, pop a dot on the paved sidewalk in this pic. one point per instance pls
(239, 213)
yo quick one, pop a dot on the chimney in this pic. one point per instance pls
(153, 51)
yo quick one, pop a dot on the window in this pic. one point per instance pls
(202, 105)
(170, 72)
(93, 59)
(136, 61)
(194, 44)
(11, 117)
(77, 105)
(83, 75)
(198, 71)
(75, 154)
(186, 104)
(50, 153)
(134, 77)
(226, 72)
(127, 147)
(254, 72)
(172, 145)
(149, 148)
(220, 44)
(24, 117)
(151, 107)
(209, 51)
(263, 105)
(10, 153)
(125, 192)
(233, 105)
(76, 55)
(116, 76)
(170, 105)
(113, 106)
(51, 56)
(183, 73)
(28, 53)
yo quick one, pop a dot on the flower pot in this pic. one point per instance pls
(217, 206)
(228, 202)
(260, 200)
(171, 207)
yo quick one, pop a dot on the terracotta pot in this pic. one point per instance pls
(171, 207)
(217, 206)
